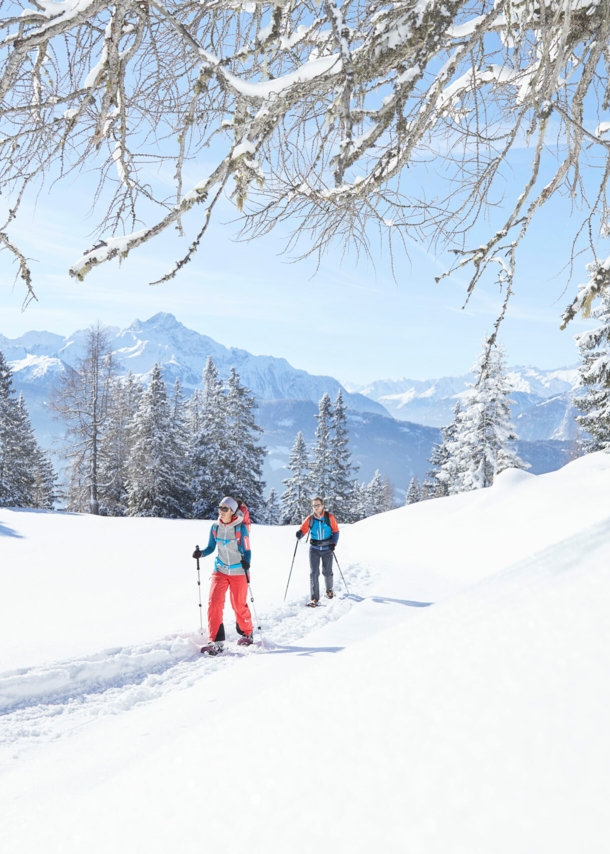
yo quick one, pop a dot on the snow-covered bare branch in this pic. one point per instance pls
(310, 112)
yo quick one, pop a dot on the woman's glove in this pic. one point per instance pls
(299, 534)
(245, 563)
(197, 553)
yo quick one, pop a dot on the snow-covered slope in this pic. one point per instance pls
(455, 701)
(432, 402)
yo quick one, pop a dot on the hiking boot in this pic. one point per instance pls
(213, 648)
(313, 603)
(329, 594)
(245, 640)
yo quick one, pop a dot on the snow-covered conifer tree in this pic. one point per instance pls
(33, 472)
(481, 446)
(428, 490)
(158, 481)
(593, 399)
(208, 417)
(27, 478)
(377, 495)
(272, 509)
(414, 491)
(116, 445)
(322, 467)
(341, 495)
(10, 488)
(297, 497)
(442, 472)
(242, 474)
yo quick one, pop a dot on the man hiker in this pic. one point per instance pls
(324, 536)
(231, 569)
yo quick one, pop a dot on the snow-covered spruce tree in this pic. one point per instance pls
(208, 444)
(82, 400)
(428, 490)
(116, 445)
(27, 478)
(481, 447)
(33, 470)
(272, 509)
(314, 110)
(296, 499)
(242, 475)
(593, 399)
(322, 464)
(157, 481)
(10, 488)
(414, 491)
(443, 471)
(377, 495)
(341, 495)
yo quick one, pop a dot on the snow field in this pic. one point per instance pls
(478, 724)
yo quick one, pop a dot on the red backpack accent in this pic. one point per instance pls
(246, 513)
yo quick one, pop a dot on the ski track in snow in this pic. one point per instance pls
(42, 704)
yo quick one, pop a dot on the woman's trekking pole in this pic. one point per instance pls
(199, 586)
(252, 600)
(291, 565)
(345, 585)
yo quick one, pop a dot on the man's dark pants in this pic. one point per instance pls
(315, 556)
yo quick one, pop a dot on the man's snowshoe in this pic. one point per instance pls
(313, 603)
(245, 640)
(330, 594)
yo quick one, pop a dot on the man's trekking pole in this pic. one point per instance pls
(291, 565)
(199, 586)
(335, 557)
(252, 600)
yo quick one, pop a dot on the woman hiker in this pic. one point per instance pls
(231, 569)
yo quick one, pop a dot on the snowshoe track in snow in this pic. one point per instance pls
(43, 703)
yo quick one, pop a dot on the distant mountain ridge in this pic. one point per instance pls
(182, 352)
(543, 400)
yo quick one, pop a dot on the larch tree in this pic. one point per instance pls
(313, 113)
(83, 400)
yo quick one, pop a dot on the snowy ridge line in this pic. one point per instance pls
(47, 702)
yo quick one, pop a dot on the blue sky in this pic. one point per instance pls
(350, 320)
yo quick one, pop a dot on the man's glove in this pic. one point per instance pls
(299, 534)
(332, 547)
(245, 563)
(197, 553)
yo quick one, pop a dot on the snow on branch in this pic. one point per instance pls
(317, 112)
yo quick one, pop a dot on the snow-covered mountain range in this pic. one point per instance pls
(393, 424)
(36, 357)
(543, 400)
